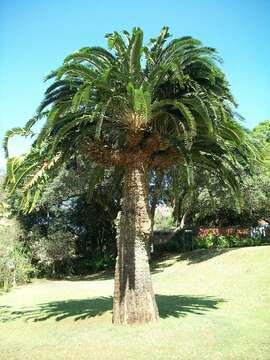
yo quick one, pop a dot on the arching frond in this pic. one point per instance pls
(14, 132)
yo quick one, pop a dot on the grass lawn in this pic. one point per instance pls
(213, 305)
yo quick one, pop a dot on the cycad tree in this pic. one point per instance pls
(133, 108)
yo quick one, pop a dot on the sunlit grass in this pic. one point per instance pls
(213, 305)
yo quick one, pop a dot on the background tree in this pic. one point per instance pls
(215, 206)
(71, 230)
(134, 109)
(15, 264)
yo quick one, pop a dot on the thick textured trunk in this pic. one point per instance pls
(134, 299)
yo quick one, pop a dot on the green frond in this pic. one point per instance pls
(35, 199)
(52, 118)
(51, 75)
(12, 166)
(40, 172)
(90, 57)
(187, 119)
(61, 83)
(157, 44)
(77, 70)
(31, 122)
(103, 54)
(81, 95)
(115, 41)
(64, 130)
(142, 103)
(127, 36)
(11, 133)
(135, 54)
(25, 201)
(199, 106)
(19, 177)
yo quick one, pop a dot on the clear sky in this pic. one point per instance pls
(35, 36)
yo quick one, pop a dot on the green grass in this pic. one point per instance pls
(213, 305)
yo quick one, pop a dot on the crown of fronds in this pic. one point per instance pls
(168, 101)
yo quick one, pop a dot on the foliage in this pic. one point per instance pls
(223, 242)
(213, 205)
(171, 246)
(183, 242)
(254, 191)
(164, 106)
(98, 262)
(68, 230)
(52, 254)
(209, 203)
(261, 132)
(163, 218)
(15, 265)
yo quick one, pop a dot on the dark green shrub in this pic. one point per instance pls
(213, 241)
(223, 242)
(53, 255)
(98, 262)
(256, 241)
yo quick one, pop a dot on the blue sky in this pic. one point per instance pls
(35, 36)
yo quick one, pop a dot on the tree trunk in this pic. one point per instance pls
(134, 299)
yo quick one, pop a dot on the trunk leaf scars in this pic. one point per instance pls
(134, 299)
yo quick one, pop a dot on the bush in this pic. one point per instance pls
(223, 242)
(180, 243)
(53, 254)
(212, 241)
(256, 241)
(15, 265)
(164, 219)
(171, 246)
(98, 262)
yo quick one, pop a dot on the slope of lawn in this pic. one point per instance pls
(213, 305)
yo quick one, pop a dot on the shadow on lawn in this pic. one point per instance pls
(200, 255)
(158, 263)
(81, 309)
(101, 275)
(193, 257)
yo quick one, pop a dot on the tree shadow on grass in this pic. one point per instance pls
(183, 305)
(81, 309)
(101, 275)
(158, 263)
(193, 257)
(200, 255)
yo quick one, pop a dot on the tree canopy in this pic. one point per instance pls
(161, 104)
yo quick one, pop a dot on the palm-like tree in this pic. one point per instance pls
(135, 108)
